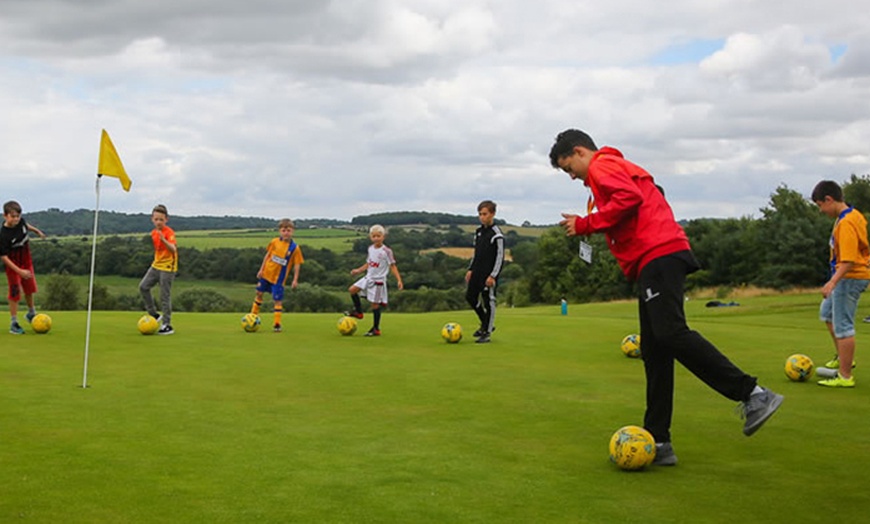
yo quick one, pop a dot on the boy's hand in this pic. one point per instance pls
(567, 223)
(468, 276)
(26, 274)
(490, 282)
(401, 285)
(294, 284)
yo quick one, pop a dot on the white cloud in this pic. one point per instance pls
(314, 109)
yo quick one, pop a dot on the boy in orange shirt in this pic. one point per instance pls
(162, 270)
(282, 254)
(850, 274)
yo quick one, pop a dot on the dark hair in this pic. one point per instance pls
(11, 206)
(827, 188)
(489, 204)
(566, 141)
(160, 208)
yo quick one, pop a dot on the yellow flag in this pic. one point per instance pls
(110, 162)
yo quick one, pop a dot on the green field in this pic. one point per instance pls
(215, 425)
(242, 291)
(337, 240)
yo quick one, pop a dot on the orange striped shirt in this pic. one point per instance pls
(164, 259)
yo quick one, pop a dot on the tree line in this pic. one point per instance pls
(786, 247)
(81, 221)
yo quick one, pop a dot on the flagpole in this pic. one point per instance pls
(91, 285)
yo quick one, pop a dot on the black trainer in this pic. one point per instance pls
(166, 329)
(483, 339)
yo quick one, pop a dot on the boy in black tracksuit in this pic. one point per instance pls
(482, 275)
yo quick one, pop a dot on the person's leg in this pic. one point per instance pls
(846, 353)
(376, 311)
(472, 296)
(661, 289)
(166, 279)
(278, 309)
(658, 363)
(844, 304)
(490, 299)
(357, 303)
(150, 279)
(258, 302)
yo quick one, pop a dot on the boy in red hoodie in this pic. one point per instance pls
(653, 250)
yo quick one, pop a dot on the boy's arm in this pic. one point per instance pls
(360, 269)
(395, 270)
(263, 265)
(295, 276)
(497, 263)
(842, 269)
(35, 230)
(170, 245)
(24, 273)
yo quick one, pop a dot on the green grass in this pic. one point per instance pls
(116, 285)
(215, 425)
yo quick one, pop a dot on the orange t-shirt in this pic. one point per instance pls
(849, 244)
(164, 259)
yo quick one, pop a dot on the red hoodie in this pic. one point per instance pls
(631, 212)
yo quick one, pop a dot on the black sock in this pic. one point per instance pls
(357, 305)
(377, 314)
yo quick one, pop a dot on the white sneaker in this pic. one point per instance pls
(826, 372)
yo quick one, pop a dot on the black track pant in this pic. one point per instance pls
(665, 337)
(482, 300)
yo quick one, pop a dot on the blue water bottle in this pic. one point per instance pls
(564, 306)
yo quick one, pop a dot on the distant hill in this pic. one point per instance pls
(56, 222)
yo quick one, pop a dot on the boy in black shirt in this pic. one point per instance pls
(483, 271)
(15, 255)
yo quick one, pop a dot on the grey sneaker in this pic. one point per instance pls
(16, 329)
(29, 316)
(482, 339)
(665, 455)
(758, 409)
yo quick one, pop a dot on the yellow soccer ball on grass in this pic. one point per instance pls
(630, 346)
(632, 448)
(347, 326)
(251, 322)
(41, 323)
(799, 368)
(147, 325)
(451, 332)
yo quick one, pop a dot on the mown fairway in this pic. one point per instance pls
(215, 425)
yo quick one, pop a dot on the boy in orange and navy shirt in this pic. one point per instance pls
(162, 270)
(850, 274)
(282, 255)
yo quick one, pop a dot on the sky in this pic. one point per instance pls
(333, 109)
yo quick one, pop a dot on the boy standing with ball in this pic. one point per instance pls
(282, 255)
(162, 270)
(15, 254)
(373, 286)
(483, 270)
